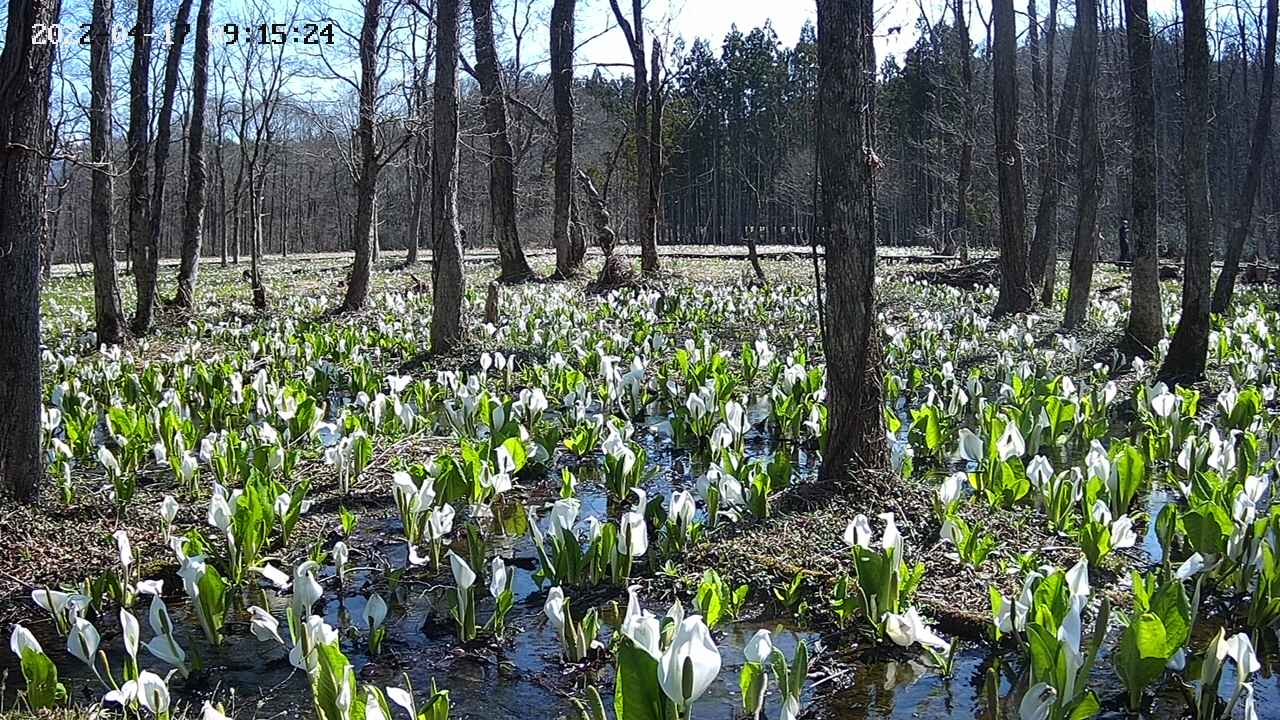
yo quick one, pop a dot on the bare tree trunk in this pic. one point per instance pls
(255, 242)
(421, 165)
(197, 176)
(1188, 350)
(1044, 248)
(108, 317)
(964, 171)
(846, 136)
(1015, 288)
(164, 132)
(139, 143)
(646, 204)
(1146, 312)
(753, 238)
(24, 118)
(1085, 248)
(366, 166)
(562, 12)
(1242, 216)
(447, 282)
(502, 171)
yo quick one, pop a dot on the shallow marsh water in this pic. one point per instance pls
(523, 677)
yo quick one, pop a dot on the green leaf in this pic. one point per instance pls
(1141, 655)
(751, 682)
(1086, 708)
(636, 695)
(1171, 605)
(43, 688)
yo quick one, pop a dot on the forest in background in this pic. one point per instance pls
(738, 131)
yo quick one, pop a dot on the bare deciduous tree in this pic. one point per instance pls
(139, 139)
(1089, 167)
(1146, 313)
(447, 283)
(1242, 215)
(1189, 347)
(1015, 287)
(502, 172)
(24, 116)
(108, 317)
(846, 138)
(197, 173)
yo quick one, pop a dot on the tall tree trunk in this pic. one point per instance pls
(366, 163)
(197, 175)
(1085, 248)
(164, 133)
(1015, 288)
(653, 223)
(139, 143)
(846, 136)
(964, 171)
(447, 282)
(646, 204)
(567, 259)
(421, 166)
(1242, 216)
(255, 242)
(502, 170)
(108, 317)
(1188, 350)
(1146, 313)
(24, 119)
(1044, 248)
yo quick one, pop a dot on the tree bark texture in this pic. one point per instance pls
(502, 170)
(108, 317)
(646, 210)
(365, 173)
(1044, 248)
(964, 170)
(197, 173)
(1085, 247)
(846, 136)
(1015, 288)
(150, 264)
(24, 116)
(1188, 350)
(139, 140)
(568, 259)
(1242, 215)
(447, 282)
(1145, 328)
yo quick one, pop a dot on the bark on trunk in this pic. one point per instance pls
(1189, 347)
(366, 163)
(1085, 248)
(641, 104)
(959, 234)
(846, 136)
(562, 12)
(150, 263)
(502, 170)
(1015, 288)
(1146, 313)
(139, 143)
(108, 317)
(24, 115)
(1242, 216)
(197, 174)
(447, 282)
(421, 167)
(1044, 248)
